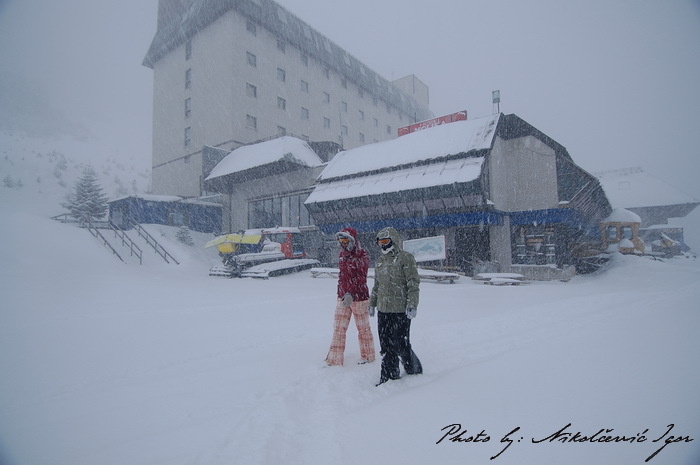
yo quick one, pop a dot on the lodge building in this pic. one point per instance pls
(499, 190)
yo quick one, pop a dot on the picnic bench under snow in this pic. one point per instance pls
(500, 279)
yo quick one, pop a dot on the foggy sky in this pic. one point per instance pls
(615, 82)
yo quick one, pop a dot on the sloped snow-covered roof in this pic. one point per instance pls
(621, 215)
(439, 141)
(435, 174)
(250, 156)
(635, 188)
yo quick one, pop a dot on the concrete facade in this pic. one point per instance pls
(253, 71)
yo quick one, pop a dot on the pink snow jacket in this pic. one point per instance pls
(353, 264)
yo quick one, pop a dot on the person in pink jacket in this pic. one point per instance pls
(353, 298)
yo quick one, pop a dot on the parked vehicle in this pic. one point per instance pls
(243, 253)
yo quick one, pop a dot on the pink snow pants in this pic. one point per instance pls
(340, 327)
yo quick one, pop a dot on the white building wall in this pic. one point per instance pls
(220, 101)
(414, 87)
(522, 175)
(274, 185)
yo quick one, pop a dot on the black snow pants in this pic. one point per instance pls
(395, 343)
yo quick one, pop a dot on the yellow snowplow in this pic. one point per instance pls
(230, 243)
(229, 246)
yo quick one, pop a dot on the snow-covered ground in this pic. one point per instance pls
(109, 363)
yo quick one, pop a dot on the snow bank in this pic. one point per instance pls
(110, 363)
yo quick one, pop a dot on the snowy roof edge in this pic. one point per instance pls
(462, 139)
(287, 148)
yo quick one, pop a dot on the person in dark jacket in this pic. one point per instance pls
(395, 295)
(353, 296)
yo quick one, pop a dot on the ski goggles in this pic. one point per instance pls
(343, 240)
(384, 241)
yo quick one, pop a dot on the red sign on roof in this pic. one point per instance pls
(459, 116)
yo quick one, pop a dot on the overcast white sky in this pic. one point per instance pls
(614, 81)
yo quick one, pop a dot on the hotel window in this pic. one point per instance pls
(188, 78)
(304, 113)
(326, 122)
(362, 115)
(281, 103)
(281, 45)
(188, 50)
(188, 107)
(188, 136)
(327, 73)
(250, 27)
(344, 83)
(304, 86)
(251, 90)
(344, 130)
(281, 75)
(362, 138)
(305, 59)
(388, 129)
(326, 97)
(251, 59)
(251, 122)
(376, 122)
(344, 106)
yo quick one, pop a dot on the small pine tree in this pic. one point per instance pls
(88, 199)
(183, 235)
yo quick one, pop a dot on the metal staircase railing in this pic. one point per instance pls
(127, 242)
(150, 240)
(87, 224)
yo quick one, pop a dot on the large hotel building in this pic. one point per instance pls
(229, 73)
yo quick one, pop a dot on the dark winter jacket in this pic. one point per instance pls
(396, 280)
(353, 265)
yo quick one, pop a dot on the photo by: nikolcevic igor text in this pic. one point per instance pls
(456, 434)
